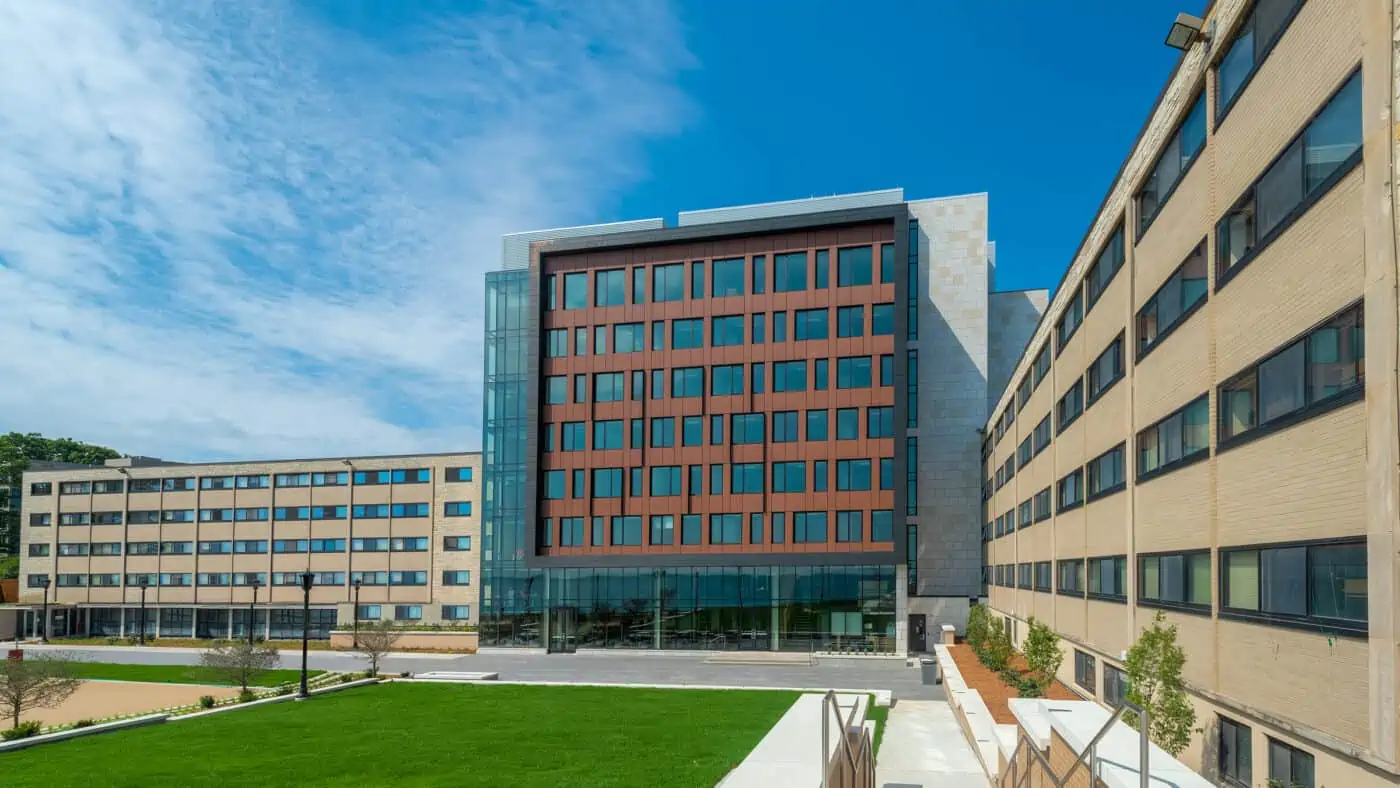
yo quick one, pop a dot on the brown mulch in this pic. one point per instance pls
(995, 692)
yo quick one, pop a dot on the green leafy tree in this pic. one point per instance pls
(1154, 683)
(17, 450)
(996, 649)
(976, 630)
(1043, 655)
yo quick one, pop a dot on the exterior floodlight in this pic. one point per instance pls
(1186, 30)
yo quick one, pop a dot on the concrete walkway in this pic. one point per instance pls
(789, 755)
(923, 746)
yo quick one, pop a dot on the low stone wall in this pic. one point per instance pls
(972, 715)
(416, 640)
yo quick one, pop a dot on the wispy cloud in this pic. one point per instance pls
(239, 229)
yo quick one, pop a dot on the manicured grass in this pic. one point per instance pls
(177, 674)
(429, 735)
(878, 714)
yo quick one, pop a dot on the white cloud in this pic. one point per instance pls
(240, 230)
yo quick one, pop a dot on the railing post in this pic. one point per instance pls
(1144, 749)
(826, 723)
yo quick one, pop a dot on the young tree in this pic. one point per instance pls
(239, 663)
(996, 649)
(1154, 683)
(976, 630)
(1043, 655)
(36, 682)
(376, 640)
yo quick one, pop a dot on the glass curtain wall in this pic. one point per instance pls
(511, 596)
(726, 608)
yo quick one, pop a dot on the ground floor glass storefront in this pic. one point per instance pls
(178, 622)
(788, 608)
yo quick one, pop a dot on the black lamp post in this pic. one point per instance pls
(144, 583)
(44, 625)
(359, 581)
(307, 579)
(251, 604)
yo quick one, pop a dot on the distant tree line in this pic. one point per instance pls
(17, 450)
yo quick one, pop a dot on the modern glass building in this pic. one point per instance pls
(708, 435)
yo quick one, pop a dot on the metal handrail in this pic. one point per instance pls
(854, 759)
(1090, 752)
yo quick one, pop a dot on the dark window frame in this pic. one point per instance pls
(1311, 408)
(1145, 222)
(1176, 279)
(1103, 596)
(1308, 621)
(1186, 459)
(1091, 396)
(1085, 672)
(1294, 755)
(1262, 50)
(1198, 608)
(1090, 469)
(1225, 273)
(1231, 773)
(1060, 506)
(1115, 241)
(1062, 423)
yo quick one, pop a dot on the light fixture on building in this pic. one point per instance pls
(1186, 30)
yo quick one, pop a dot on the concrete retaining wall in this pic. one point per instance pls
(416, 640)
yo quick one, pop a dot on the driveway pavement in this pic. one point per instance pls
(906, 682)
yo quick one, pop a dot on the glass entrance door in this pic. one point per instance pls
(563, 630)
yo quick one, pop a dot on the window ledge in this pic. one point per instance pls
(1188, 460)
(1325, 188)
(1070, 508)
(1166, 332)
(1122, 600)
(1117, 488)
(1359, 629)
(1042, 518)
(1341, 399)
(1177, 607)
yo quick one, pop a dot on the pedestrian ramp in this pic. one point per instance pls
(790, 754)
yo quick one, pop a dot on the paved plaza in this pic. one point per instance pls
(910, 683)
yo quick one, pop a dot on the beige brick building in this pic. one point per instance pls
(1193, 429)
(207, 539)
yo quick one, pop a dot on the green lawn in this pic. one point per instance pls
(177, 674)
(429, 735)
(879, 715)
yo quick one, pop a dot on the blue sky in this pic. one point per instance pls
(259, 229)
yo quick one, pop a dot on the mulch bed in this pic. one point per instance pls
(995, 692)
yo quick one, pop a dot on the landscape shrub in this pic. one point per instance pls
(1043, 656)
(84, 723)
(246, 696)
(206, 701)
(22, 731)
(996, 649)
(976, 631)
(1025, 684)
(285, 689)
